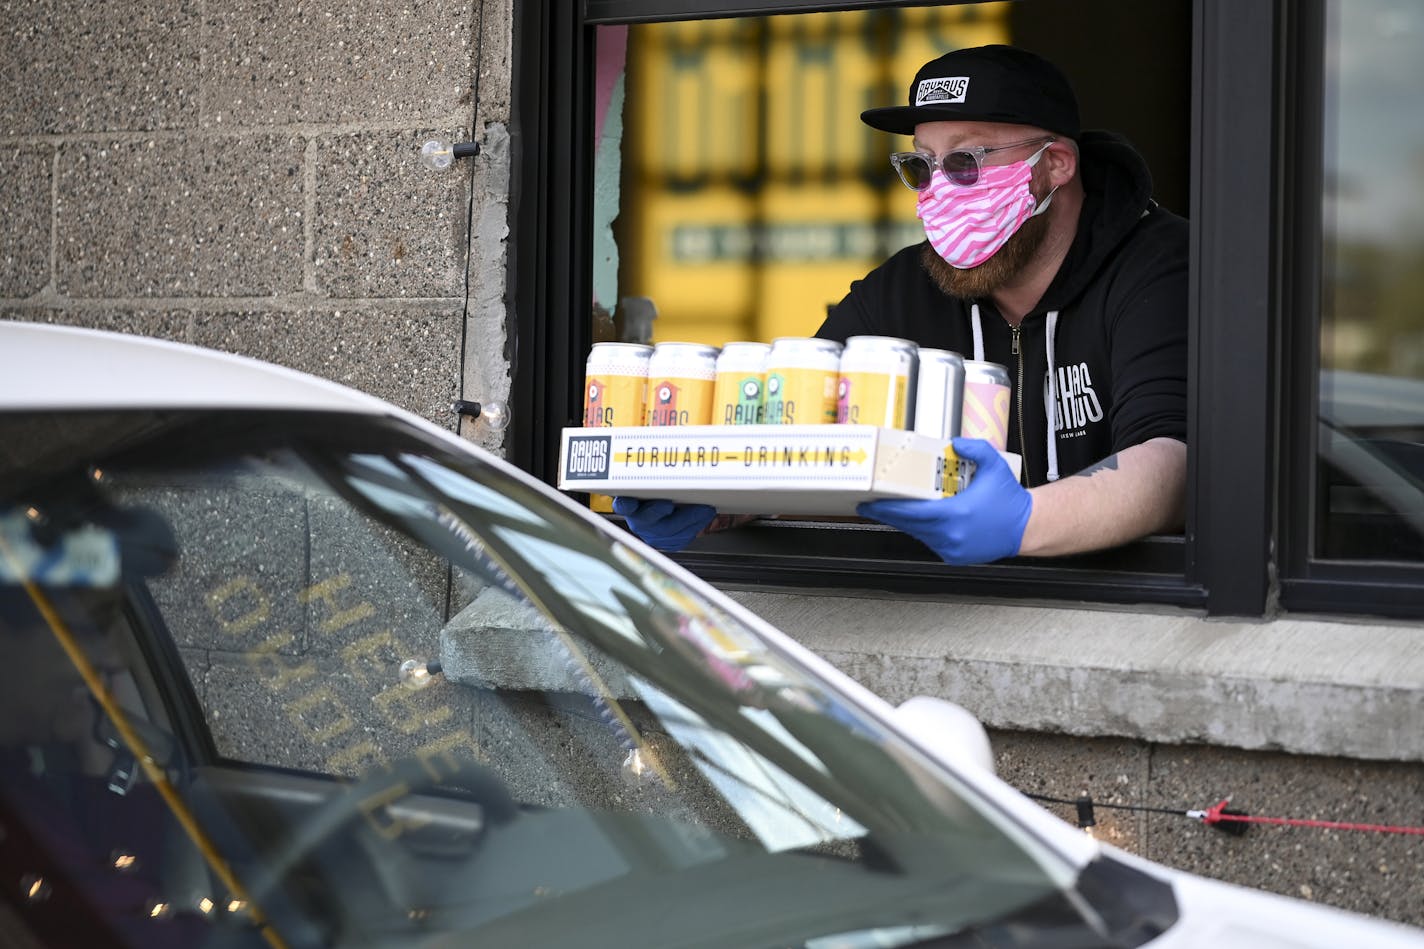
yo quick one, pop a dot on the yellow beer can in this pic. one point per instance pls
(877, 382)
(741, 379)
(681, 377)
(801, 377)
(616, 384)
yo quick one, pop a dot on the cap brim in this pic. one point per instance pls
(902, 119)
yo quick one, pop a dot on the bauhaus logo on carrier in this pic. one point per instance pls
(589, 457)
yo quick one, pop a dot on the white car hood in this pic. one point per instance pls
(1225, 916)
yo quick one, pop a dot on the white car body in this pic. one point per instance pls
(62, 368)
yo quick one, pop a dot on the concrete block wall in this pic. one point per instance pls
(1293, 718)
(245, 176)
(1376, 874)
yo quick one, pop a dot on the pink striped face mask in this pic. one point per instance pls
(967, 224)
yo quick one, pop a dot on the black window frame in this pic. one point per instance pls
(1244, 104)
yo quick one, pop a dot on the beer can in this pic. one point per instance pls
(680, 381)
(801, 377)
(616, 384)
(876, 385)
(741, 377)
(986, 403)
(939, 393)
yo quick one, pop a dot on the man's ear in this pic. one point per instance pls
(1062, 161)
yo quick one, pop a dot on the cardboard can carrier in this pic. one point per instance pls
(761, 469)
(718, 456)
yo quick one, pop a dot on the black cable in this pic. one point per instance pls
(1073, 802)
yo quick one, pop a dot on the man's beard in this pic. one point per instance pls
(996, 272)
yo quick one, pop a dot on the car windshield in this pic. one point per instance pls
(294, 679)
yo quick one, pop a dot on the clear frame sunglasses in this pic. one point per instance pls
(961, 166)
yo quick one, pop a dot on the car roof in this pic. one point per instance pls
(66, 367)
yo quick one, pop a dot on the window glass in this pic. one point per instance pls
(752, 194)
(737, 192)
(1370, 490)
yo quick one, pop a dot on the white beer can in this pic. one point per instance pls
(939, 398)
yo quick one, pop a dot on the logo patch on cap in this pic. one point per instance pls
(937, 91)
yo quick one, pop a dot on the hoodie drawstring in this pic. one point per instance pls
(1050, 397)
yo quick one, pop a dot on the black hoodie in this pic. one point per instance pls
(1120, 345)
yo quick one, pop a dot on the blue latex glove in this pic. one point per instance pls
(666, 525)
(983, 522)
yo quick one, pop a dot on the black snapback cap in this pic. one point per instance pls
(984, 84)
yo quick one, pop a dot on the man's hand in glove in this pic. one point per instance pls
(984, 522)
(666, 525)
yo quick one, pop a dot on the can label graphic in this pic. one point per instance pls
(681, 377)
(738, 395)
(801, 378)
(616, 384)
(986, 403)
(939, 393)
(876, 378)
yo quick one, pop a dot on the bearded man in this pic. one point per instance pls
(1046, 254)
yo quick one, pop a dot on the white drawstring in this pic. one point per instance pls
(1051, 398)
(1050, 403)
(978, 332)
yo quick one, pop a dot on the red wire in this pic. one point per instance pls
(1214, 814)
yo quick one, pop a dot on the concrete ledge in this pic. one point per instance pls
(1302, 686)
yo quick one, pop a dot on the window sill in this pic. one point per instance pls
(1306, 686)
(819, 555)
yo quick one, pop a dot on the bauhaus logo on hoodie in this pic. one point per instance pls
(1075, 402)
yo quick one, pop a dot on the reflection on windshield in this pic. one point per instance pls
(601, 734)
(783, 813)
